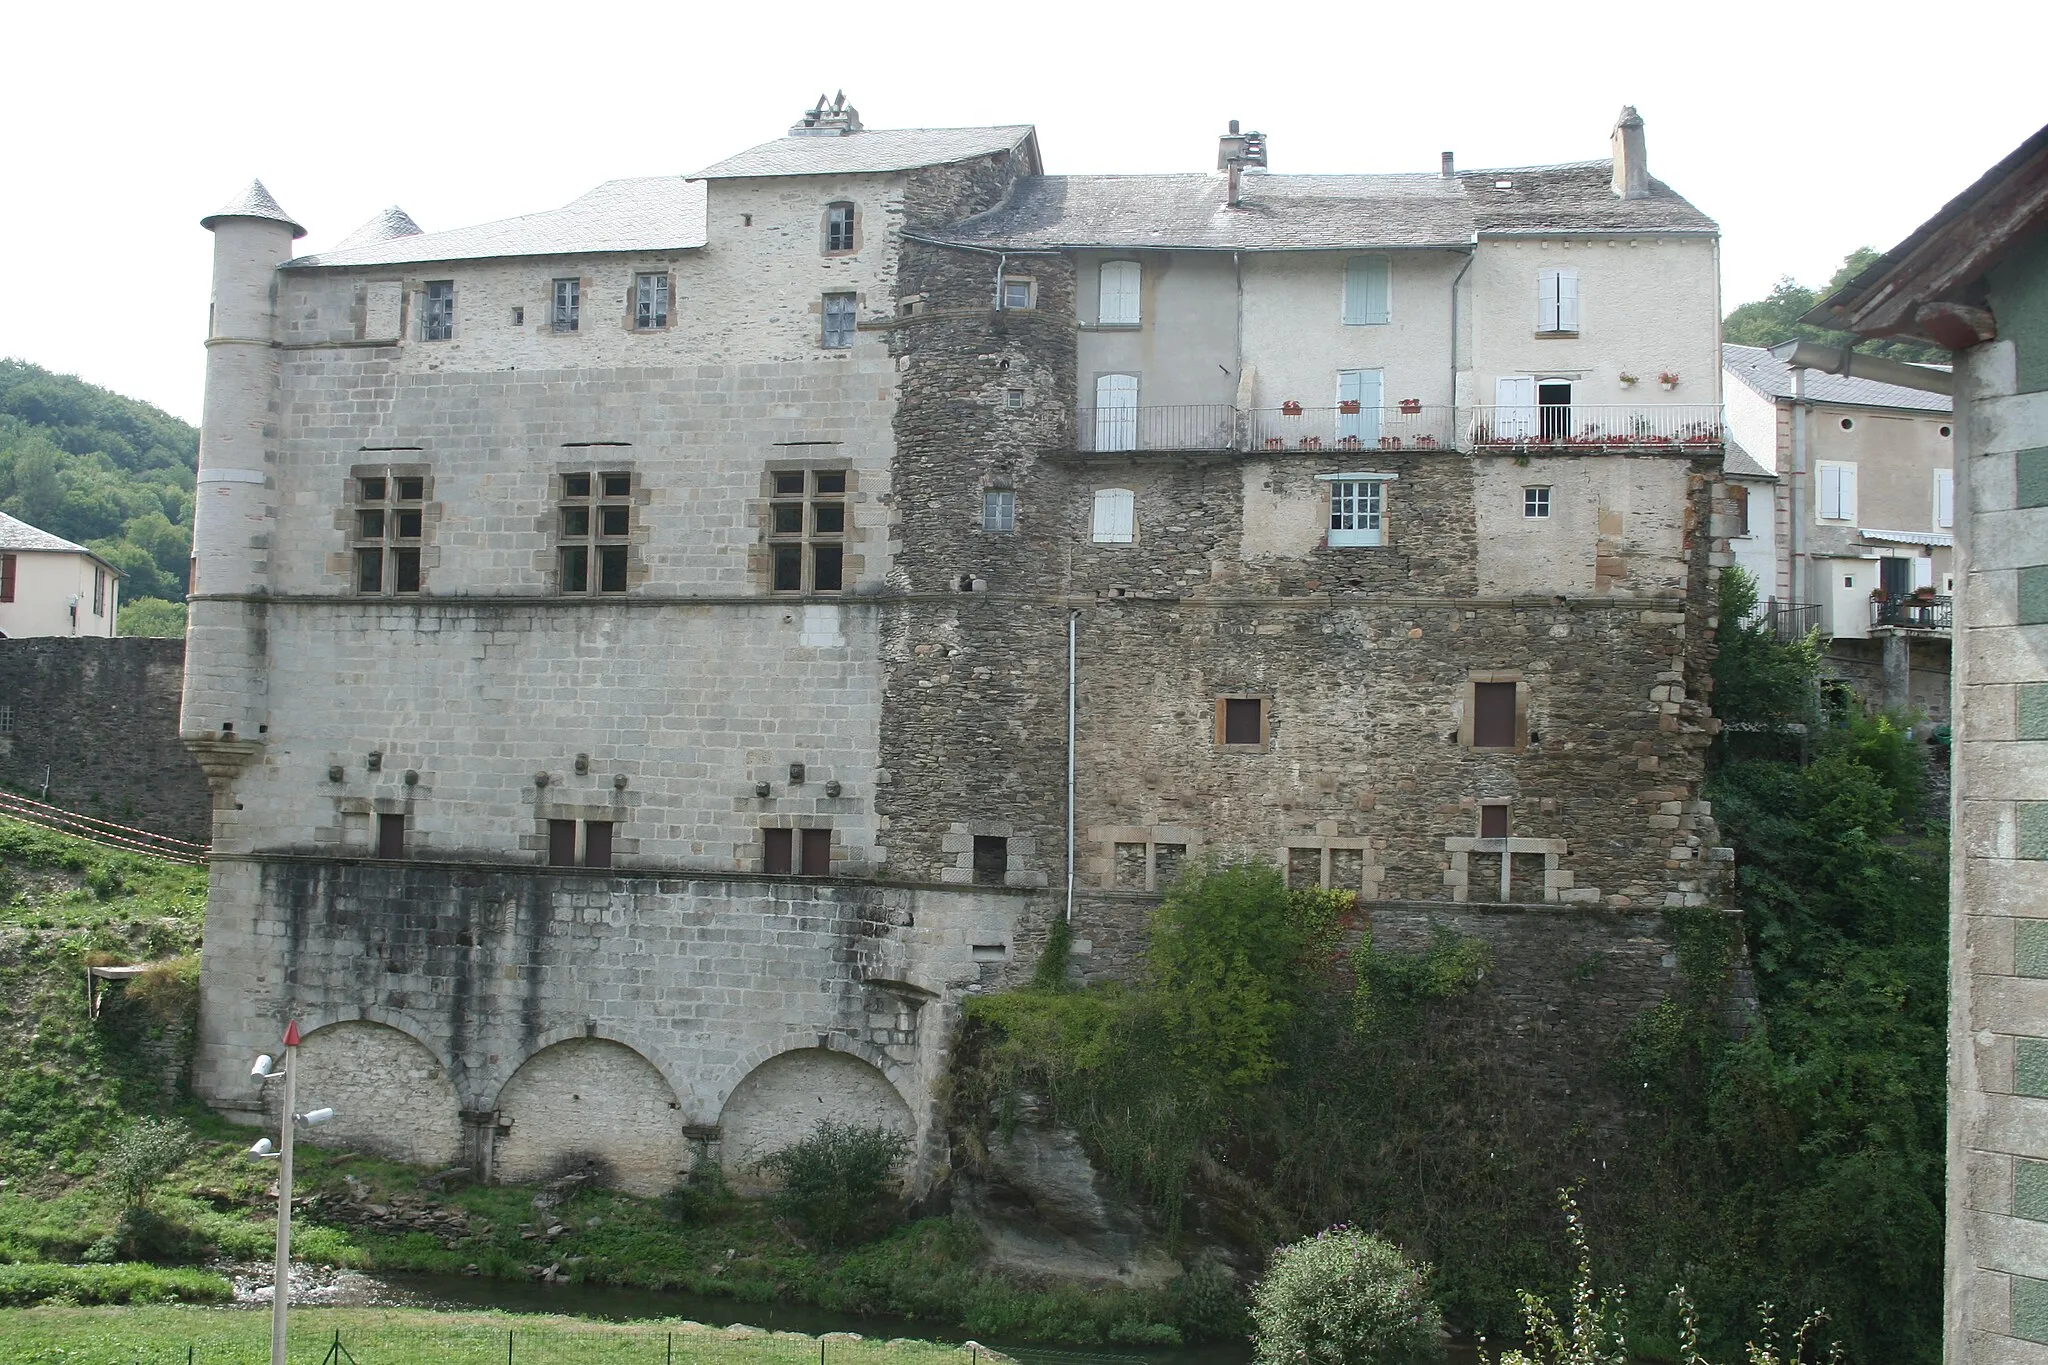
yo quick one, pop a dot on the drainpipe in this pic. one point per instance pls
(1002, 267)
(1796, 541)
(1471, 255)
(1073, 636)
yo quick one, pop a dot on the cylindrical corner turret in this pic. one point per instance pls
(233, 511)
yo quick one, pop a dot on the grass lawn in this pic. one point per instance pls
(413, 1336)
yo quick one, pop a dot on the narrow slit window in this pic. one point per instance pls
(437, 319)
(561, 843)
(597, 843)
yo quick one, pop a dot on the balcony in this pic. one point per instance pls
(1787, 621)
(1579, 428)
(1914, 612)
(1589, 426)
(1349, 427)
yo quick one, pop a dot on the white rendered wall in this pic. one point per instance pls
(53, 595)
(1296, 338)
(1184, 349)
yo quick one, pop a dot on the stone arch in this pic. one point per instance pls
(390, 1094)
(590, 1103)
(782, 1100)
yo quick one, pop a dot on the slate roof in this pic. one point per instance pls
(1772, 378)
(1743, 465)
(648, 213)
(1309, 212)
(870, 152)
(254, 202)
(19, 535)
(387, 226)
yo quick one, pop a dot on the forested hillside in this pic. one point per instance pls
(109, 472)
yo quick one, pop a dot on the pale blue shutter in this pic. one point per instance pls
(1366, 291)
(1567, 300)
(1546, 301)
(1363, 387)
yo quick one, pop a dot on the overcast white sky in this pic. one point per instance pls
(1806, 129)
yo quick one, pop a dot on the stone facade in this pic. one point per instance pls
(93, 727)
(396, 768)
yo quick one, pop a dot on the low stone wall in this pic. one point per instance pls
(97, 721)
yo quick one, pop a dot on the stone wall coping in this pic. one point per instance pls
(1315, 601)
(1465, 843)
(1554, 909)
(634, 874)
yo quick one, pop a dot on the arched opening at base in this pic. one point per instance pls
(782, 1100)
(390, 1096)
(590, 1104)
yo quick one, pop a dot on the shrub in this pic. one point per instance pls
(1345, 1296)
(835, 1181)
(143, 1154)
(21, 1285)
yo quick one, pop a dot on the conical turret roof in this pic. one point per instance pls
(254, 202)
(387, 226)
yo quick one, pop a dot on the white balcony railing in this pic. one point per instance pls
(1560, 427)
(1603, 426)
(1343, 428)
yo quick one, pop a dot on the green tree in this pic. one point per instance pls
(1776, 317)
(151, 616)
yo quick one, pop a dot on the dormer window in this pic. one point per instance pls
(838, 228)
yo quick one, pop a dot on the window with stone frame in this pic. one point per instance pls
(391, 836)
(1243, 724)
(796, 852)
(839, 234)
(1019, 292)
(1495, 713)
(568, 305)
(387, 531)
(1147, 866)
(807, 530)
(837, 332)
(650, 302)
(579, 843)
(593, 529)
(999, 510)
(991, 860)
(437, 318)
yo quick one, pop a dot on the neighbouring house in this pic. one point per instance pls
(48, 586)
(658, 657)
(1974, 278)
(1858, 531)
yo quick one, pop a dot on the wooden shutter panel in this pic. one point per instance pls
(1923, 572)
(1493, 822)
(1830, 492)
(1567, 301)
(597, 843)
(817, 853)
(1944, 498)
(1117, 302)
(1113, 516)
(1546, 300)
(6, 578)
(1377, 290)
(1848, 492)
(1366, 290)
(1493, 715)
(777, 858)
(561, 843)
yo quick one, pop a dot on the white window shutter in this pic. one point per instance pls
(1546, 300)
(1848, 512)
(1831, 492)
(1367, 291)
(1923, 572)
(1514, 414)
(1567, 301)
(1117, 303)
(1944, 499)
(1113, 516)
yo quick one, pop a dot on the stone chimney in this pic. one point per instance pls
(1450, 170)
(836, 119)
(1235, 151)
(1631, 162)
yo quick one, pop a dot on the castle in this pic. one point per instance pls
(655, 658)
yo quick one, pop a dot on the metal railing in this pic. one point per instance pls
(1292, 427)
(1914, 612)
(1785, 620)
(1589, 426)
(1349, 428)
(1188, 426)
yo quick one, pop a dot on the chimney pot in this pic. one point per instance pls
(1631, 162)
(1233, 127)
(1449, 167)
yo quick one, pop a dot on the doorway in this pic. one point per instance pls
(1554, 406)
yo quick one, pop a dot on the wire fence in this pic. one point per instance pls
(105, 832)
